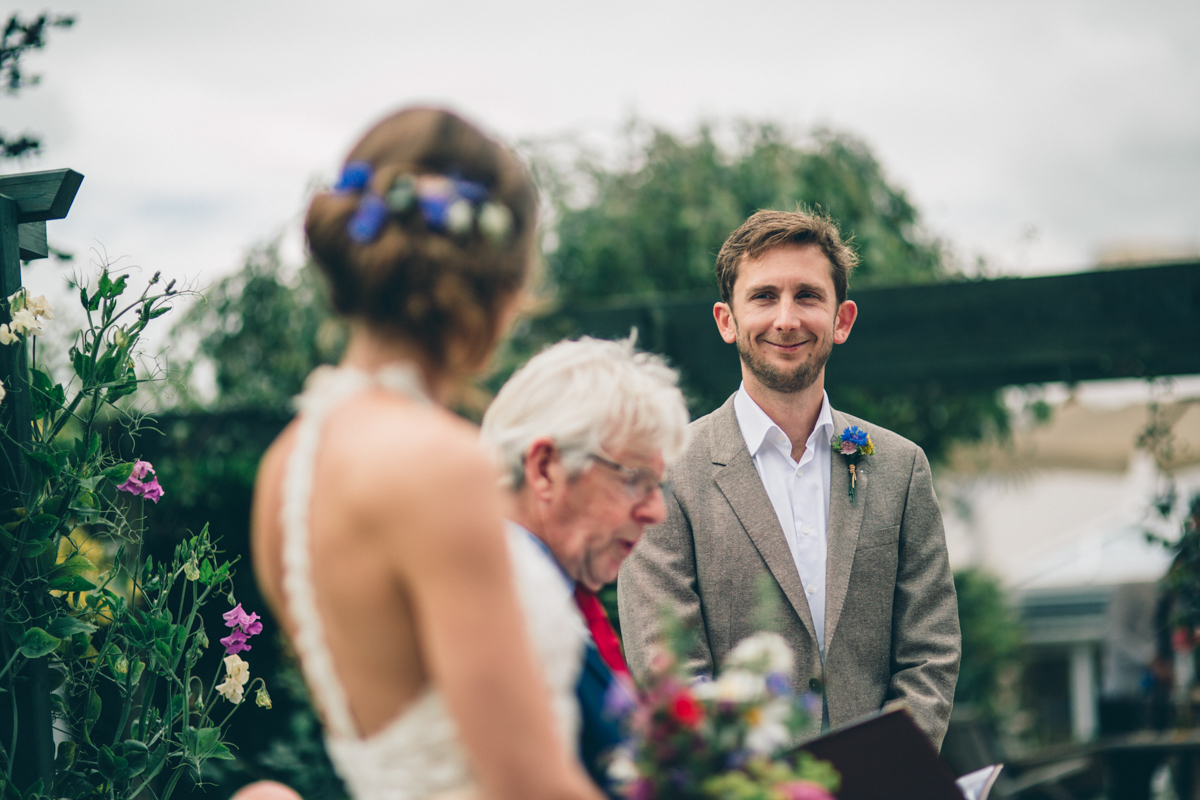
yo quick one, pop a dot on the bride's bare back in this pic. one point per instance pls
(410, 571)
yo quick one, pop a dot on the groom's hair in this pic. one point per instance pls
(767, 230)
(585, 395)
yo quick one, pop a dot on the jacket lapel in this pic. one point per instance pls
(845, 522)
(738, 480)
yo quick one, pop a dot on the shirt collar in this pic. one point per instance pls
(545, 548)
(759, 429)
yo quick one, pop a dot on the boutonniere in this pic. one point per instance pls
(853, 443)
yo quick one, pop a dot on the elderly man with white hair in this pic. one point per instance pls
(585, 432)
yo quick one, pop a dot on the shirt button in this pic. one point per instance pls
(806, 530)
(780, 438)
(811, 589)
(799, 472)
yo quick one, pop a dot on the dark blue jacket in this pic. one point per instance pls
(599, 731)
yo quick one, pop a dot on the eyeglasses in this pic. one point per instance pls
(639, 483)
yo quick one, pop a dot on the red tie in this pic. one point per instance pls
(602, 630)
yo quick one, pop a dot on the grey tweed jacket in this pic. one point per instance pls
(891, 614)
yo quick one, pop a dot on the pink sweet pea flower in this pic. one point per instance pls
(152, 491)
(235, 643)
(237, 617)
(848, 448)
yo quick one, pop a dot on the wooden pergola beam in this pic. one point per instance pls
(1122, 323)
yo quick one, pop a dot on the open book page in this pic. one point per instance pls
(978, 784)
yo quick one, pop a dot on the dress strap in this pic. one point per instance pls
(325, 389)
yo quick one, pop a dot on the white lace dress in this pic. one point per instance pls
(418, 755)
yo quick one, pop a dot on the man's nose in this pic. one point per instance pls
(787, 315)
(652, 510)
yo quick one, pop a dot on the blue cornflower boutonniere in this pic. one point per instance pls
(853, 443)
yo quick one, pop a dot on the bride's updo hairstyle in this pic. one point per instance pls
(441, 283)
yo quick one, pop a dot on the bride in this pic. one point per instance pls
(377, 536)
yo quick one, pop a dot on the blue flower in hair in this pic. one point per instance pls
(355, 176)
(364, 226)
(472, 192)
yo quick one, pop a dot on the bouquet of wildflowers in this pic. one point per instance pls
(721, 739)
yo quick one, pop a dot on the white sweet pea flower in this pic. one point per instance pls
(24, 321)
(236, 677)
(41, 307)
(768, 727)
(7, 336)
(231, 690)
(16, 300)
(3, 391)
(762, 652)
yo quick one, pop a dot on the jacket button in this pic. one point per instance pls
(814, 685)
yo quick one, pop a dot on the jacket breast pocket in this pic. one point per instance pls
(878, 537)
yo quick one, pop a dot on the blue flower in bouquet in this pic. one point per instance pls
(779, 685)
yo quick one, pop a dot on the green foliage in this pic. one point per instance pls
(262, 334)
(19, 38)
(992, 638)
(655, 226)
(117, 636)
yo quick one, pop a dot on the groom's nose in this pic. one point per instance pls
(787, 315)
(652, 510)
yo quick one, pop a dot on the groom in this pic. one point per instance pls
(849, 532)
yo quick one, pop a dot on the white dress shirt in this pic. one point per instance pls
(799, 492)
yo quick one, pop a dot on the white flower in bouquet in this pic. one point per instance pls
(734, 686)
(7, 336)
(622, 768)
(764, 652)
(768, 729)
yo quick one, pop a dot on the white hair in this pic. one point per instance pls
(588, 395)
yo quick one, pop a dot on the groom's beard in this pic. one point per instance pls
(790, 381)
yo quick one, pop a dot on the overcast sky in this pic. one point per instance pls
(1035, 134)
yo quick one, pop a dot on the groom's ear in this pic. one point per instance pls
(540, 458)
(726, 324)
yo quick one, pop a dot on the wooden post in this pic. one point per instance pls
(26, 201)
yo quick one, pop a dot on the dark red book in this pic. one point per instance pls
(886, 757)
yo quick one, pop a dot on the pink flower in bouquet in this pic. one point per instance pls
(1183, 640)
(641, 789)
(848, 448)
(802, 790)
(686, 709)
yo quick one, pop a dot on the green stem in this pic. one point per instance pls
(4, 671)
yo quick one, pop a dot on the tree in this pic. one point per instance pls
(651, 226)
(21, 37)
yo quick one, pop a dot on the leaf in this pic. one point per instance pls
(92, 711)
(66, 756)
(201, 744)
(105, 285)
(82, 365)
(119, 473)
(37, 643)
(66, 576)
(42, 525)
(111, 765)
(73, 583)
(65, 626)
(45, 466)
(136, 754)
(34, 791)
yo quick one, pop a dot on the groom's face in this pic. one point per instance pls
(784, 317)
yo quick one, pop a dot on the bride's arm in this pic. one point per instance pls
(455, 566)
